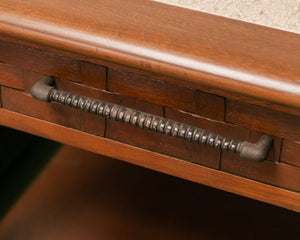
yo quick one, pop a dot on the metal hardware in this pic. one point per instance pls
(257, 152)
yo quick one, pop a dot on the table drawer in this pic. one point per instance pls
(151, 94)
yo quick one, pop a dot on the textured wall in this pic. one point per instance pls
(282, 14)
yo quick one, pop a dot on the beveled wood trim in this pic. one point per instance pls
(234, 56)
(152, 160)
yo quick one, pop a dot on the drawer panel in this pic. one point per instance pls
(85, 119)
(274, 173)
(11, 76)
(225, 129)
(89, 122)
(39, 61)
(93, 75)
(290, 152)
(21, 102)
(263, 119)
(243, 121)
(167, 94)
(179, 148)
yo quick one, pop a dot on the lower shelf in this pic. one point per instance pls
(155, 161)
(82, 195)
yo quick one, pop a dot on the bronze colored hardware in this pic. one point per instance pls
(44, 91)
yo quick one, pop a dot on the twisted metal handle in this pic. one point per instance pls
(44, 91)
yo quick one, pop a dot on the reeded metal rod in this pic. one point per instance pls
(44, 91)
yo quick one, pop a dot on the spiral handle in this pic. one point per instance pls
(44, 91)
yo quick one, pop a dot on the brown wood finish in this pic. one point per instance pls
(155, 75)
(224, 129)
(115, 200)
(193, 172)
(11, 76)
(163, 93)
(89, 122)
(166, 94)
(278, 174)
(23, 103)
(163, 144)
(39, 61)
(263, 119)
(93, 75)
(142, 138)
(290, 152)
(147, 60)
(106, 96)
(241, 58)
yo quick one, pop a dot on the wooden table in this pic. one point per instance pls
(233, 78)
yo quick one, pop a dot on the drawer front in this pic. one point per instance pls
(21, 67)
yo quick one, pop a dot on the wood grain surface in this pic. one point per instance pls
(225, 129)
(290, 152)
(39, 61)
(263, 119)
(11, 76)
(93, 75)
(170, 146)
(237, 57)
(278, 174)
(23, 103)
(152, 75)
(88, 122)
(166, 94)
(169, 165)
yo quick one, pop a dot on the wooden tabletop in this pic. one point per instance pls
(241, 58)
